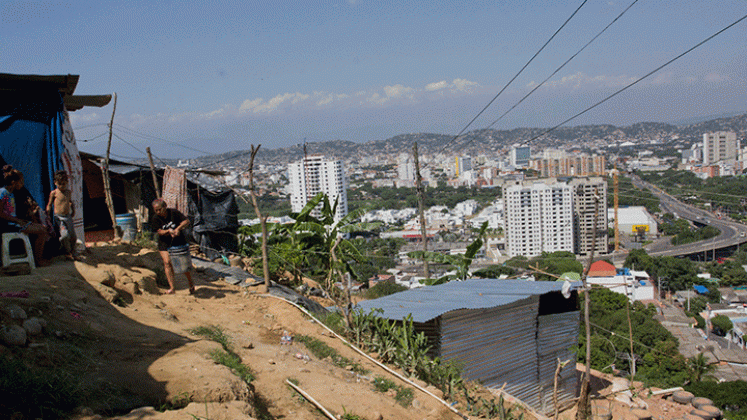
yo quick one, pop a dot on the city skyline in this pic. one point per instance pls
(211, 80)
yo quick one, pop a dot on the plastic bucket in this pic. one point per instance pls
(128, 223)
(181, 260)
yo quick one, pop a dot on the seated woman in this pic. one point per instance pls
(9, 222)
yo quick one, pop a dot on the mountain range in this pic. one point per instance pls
(492, 142)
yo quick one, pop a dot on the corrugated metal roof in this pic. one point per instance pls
(427, 303)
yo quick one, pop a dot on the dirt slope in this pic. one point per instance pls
(140, 347)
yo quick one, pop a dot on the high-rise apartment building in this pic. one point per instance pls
(570, 165)
(313, 175)
(519, 156)
(720, 147)
(405, 170)
(550, 215)
(589, 198)
(539, 217)
(462, 165)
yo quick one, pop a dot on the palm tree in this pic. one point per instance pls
(699, 367)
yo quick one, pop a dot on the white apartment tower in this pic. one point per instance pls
(405, 170)
(720, 147)
(313, 175)
(539, 217)
(589, 199)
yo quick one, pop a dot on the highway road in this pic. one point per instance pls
(732, 233)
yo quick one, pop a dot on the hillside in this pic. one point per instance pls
(111, 345)
(487, 141)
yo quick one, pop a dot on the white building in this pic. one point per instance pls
(719, 147)
(405, 170)
(520, 156)
(636, 285)
(632, 218)
(316, 174)
(539, 217)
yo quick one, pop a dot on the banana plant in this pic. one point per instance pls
(460, 263)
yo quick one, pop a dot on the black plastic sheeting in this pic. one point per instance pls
(237, 276)
(215, 222)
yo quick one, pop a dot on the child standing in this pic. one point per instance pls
(64, 211)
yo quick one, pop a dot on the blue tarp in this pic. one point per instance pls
(702, 290)
(31, 137)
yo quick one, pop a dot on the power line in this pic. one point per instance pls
(512, 79)
(150, 137)
(639, 79)
(92, 139)
(564, 64)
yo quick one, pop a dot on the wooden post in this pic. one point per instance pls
(105, 173)
(583, 410)
(156, 187)
(421, 205)
(262, 219)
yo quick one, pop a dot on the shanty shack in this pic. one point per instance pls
(210, 206)
(36, 136)
(508, 332)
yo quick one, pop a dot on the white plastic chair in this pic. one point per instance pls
(27, 257)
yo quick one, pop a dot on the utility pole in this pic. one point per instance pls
(262, 219)
(583, 411)
(105, 173)
(617, 207)
(421, 205)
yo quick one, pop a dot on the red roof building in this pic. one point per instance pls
(602, 269)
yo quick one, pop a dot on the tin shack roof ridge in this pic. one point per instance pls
(427, 303)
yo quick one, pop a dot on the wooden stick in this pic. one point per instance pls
(421, 205)
(311, 399)
(105, 173)
(153, 172)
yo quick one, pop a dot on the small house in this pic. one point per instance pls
(508, 332)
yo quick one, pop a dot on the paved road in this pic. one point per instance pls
(732, 233)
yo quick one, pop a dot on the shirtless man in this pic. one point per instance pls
(64, 211)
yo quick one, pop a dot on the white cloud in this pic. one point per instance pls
(716, 78)
(259, 106)
(430, 87)
(581, 81)
(457, 85)
(83, 117)
(463, 85)
(250, 104)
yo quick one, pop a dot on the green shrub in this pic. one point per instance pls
(385, 288)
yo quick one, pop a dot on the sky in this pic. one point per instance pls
(195, 78)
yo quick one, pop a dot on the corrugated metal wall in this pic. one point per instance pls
(496, 346)
(557, 334)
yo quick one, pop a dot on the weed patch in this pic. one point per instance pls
(322, 351)
(36, 393)
(404, 395)
(225, 357)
